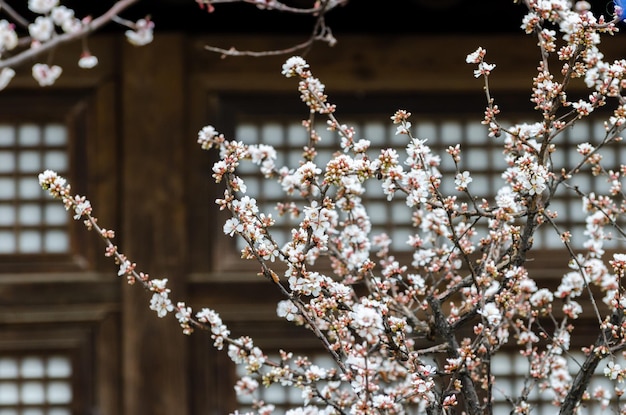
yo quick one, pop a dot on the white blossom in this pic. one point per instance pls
(491, 312)
(42, 6)
(61, 15)
(367, 320)
(8, 37)
(462, 180)
(613, 371)
(46, 75)
(41, 29)
(5, 77)
(142, 33)
(294, 66)
(476, 56)
(88, 61)
(161, 304)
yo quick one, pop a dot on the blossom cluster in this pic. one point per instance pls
(369, 333)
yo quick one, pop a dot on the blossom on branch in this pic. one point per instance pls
(6, 74)
(41, 30)
(142, 32)
(161, 304)
(87, 61)
(8, 37)
(42, 6)
(620, 9)
(46, 75)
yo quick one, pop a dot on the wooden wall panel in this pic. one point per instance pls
(153, 230)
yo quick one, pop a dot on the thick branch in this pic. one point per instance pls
(581, 382)
(445, 330)
(601, 349)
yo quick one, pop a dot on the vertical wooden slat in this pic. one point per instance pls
(153, 232)
(107, 366)
(203, 110)
(102, 166)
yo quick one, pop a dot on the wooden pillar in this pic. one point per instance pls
(154, 351)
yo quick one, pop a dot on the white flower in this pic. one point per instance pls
(307, 172)
(287, 310)
(422, 257)
(572, 309)
(572, 284)
(125, 266)
(585, 149)
(183, 313)
(612, 371)
(207, 137)
(8, 37)
(87, 61)
(261, 152)
(48, 177)
(403, 128)
(427, 370)
(161, 304)
(367, 320)
(362, 146)
(476, 56)
(5, 77)
(491, 313)
(143, 33)
(310, 284)
(484, 68)
(81, 209)
(246, 386)
(72, 25)
(46, 75)
(294, 66)
(233, 226)
(61, 15)
(159, 285)
(505, 199)
(42, 29)
(462, 180)
(42, 6)
(531, 176)
(582, 107)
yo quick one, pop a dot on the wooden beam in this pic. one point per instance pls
(383, 63)
(153, 233)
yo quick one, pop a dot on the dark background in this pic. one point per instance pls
(358, 16)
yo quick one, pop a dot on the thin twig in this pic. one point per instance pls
(15, 16)
(277, 5)
(235, 52)
(320, 31)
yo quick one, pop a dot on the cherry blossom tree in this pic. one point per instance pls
(421, 336)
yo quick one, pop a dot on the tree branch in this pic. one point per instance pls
(443, 328)
(95, 24)
(4, 6)
(587, 370)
